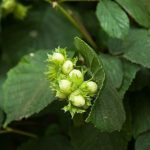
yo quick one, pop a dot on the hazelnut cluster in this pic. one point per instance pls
(68, 81)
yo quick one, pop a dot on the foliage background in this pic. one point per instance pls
(118, 31)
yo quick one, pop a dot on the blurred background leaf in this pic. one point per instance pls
(142, 142)
(44, 28)
(140, 112)
(89, 138)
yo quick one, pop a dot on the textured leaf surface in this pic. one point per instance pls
(140, 113)
(112, 18)
(143, 142)
(26, 90)
(137, 41)
(90, 138)
(138, 9)
(139, 55)
(130, 71)
(44, 28)
(138, 49)
(135, 47)
(113, 67)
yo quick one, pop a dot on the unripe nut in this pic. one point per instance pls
(67, 67)
(78, 100)
(65, 86)
(60, 95)
(76, 76)
(58, 58)
(92, 87)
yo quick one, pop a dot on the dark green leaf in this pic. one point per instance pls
(89, 138)
(26, 90)
(143, 142)
(115, 46)
(113, 67)
(108, 113)
(112, 18)
(140, 107)
(55, 142)
(130, 71)
(142, 80)
(138, 9)
(136, 39)
(137, 49)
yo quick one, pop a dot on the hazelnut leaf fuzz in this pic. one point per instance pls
(67, 81)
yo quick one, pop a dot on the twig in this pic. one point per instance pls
(11, 130)
(75, 23)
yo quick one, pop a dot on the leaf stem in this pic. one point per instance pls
(78, 25)
(8, 129)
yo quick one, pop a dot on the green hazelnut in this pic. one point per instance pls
(77, 100)
(65, 86)
(92, 87)
(76, 76)
(67, 66)
(57, 58)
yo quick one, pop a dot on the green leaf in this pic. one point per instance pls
(133, 39)
(142, 142)
(137, 50)
(112, 18)
(140, 107)
(130, 71)
(115, 46)
(26, 90)
(113, 67)
(91, 61)
(89, 138)
(135, 47)
(55, 142)
(44, 28)
(138, 9)
(107, 112)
